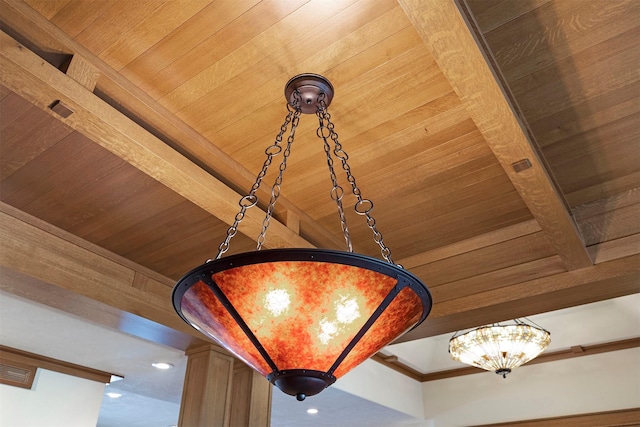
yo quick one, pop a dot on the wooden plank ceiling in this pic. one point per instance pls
(497, 139)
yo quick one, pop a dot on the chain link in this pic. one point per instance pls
(275, 188)
(251, 199)
(337, 192)
(325, 132)
(362, 206)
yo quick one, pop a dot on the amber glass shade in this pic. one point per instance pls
(301, 317)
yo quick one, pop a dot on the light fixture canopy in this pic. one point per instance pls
(303, 317)
(499, 348)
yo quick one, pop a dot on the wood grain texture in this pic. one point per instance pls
(206, 396)
(452, 43)
(206, 80)
(9, 355)
(129, 141)
(623, 417)
(42, 36)
(250, 397)
(608, 279)
(52, 257)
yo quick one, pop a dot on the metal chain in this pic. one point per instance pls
(275, 188)
(337, 192)
(251, 199)
(362, 206)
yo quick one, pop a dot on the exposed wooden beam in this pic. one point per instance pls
(396, 365)
(465, 60)
(488, 239)
(39, 252)
(9, 355)
(623, 417)
(27, 26)
(24, 72)
(609, 279)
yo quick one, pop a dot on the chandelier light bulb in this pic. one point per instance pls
(499, 348)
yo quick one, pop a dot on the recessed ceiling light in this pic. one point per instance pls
(113, 395)
(312, 411)
(162, 365)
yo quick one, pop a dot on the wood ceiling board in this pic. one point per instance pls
(496, 279)
(484, 240)
(26, 133)
(47, 8)
(396, 170)
(491, 14)
(355, 107)
(612, 187)
(211, 20)
(623, 267)
(411, 125)
(577, 85)
(197, 57)
(265, 64)
(521, 250)
(122, 136)
(66, 262)
(598, 155)
(557, 30)
(602, 281)
(110, 203)
(587, 116)
(141, 108)
(553, 93)
(446, 33)
(606, 227)
(141, 37)
(17, 187)
(578, 78)
(113, 25)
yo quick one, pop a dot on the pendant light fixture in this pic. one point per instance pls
(303, 317)
(499, 348)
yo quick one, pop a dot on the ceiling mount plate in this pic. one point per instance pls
(309, 86)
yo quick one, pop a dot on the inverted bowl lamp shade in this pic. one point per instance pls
(499, 348)
(303, 317)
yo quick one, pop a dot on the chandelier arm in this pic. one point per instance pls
(275, 188)
(251, 199)
(363, 206)
(238, 318)
(337, 192)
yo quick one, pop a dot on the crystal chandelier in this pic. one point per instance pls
(499, 348)
(303, 317)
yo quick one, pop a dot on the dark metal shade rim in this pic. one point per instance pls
(404, 277)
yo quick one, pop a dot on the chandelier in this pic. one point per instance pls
(303, 317)
(499, 348)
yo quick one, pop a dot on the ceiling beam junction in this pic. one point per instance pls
(457, 46)
(31, 77)
(41, 36)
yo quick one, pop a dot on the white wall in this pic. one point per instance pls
(55, 400)
(597, 383)
(379, 384)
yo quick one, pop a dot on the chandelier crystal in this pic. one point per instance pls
(303, 317)
(499, 348)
